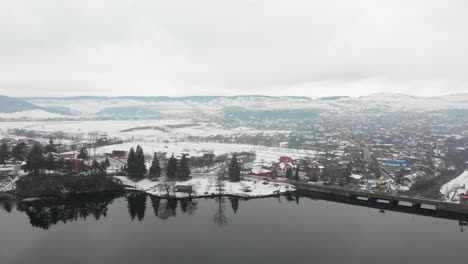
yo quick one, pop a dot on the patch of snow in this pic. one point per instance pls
(457, 186)
(8, 182)
(356, 176)
(31, 114)
(208, 185)
(264, 155)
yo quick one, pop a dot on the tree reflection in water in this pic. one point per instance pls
(136, 205)
(234, 203)
(219, 218)
(7, 204)
(167, 208)
(188, 206)
(45, 213)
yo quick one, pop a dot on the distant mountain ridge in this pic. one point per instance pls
(249, 106)
(159, 98)
(11, 105)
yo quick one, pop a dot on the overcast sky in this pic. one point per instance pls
(216, 47)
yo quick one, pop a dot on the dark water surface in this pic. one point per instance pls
(136, 228)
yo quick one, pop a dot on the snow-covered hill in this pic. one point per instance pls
(31, 115)
(453, 188)
(130, 107)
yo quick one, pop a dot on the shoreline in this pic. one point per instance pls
(202, 187)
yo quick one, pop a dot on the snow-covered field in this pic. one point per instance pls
(263, 154)
(167, 135)
(31, 114)
(457, 186)
(163, 129)
(208, 185)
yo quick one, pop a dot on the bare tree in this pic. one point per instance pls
(219, 218)
(92, 138)
(167, 187)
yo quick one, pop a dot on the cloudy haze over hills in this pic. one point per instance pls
(210, 47)
(256, 107)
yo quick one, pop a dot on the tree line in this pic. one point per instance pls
(37, 161)
(41, 158)
(20, 152)
(175, 169)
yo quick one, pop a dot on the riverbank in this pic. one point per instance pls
(62, 186)
(200, 186)
(208, 186)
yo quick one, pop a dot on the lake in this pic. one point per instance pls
(132, 228)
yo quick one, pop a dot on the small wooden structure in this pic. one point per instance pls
(183, 188)
(208, 156)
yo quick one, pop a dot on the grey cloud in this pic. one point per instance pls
(309, 48)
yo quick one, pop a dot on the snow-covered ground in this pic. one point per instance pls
(453, 188)
(208, 185)
(263, 154)
(150, 130)
(8, 182)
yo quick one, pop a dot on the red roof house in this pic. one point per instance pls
(285, 159)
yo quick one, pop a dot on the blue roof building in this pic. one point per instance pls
(394, 163)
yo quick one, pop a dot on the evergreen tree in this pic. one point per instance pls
(50, 147)
(234, 169)
(4, 153)
(400, 176)
(155, 169)
(131, 163)
(140, 162)
(35, 159)
(83, 154)
(68, 166)
(289, 172)
(19, 151)
(60, 164)
(136, 163)
(94, 167)
(183, 171)
(107, 163)
(49, 163)
(296, 175)
(171, 169)
(102, 169)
